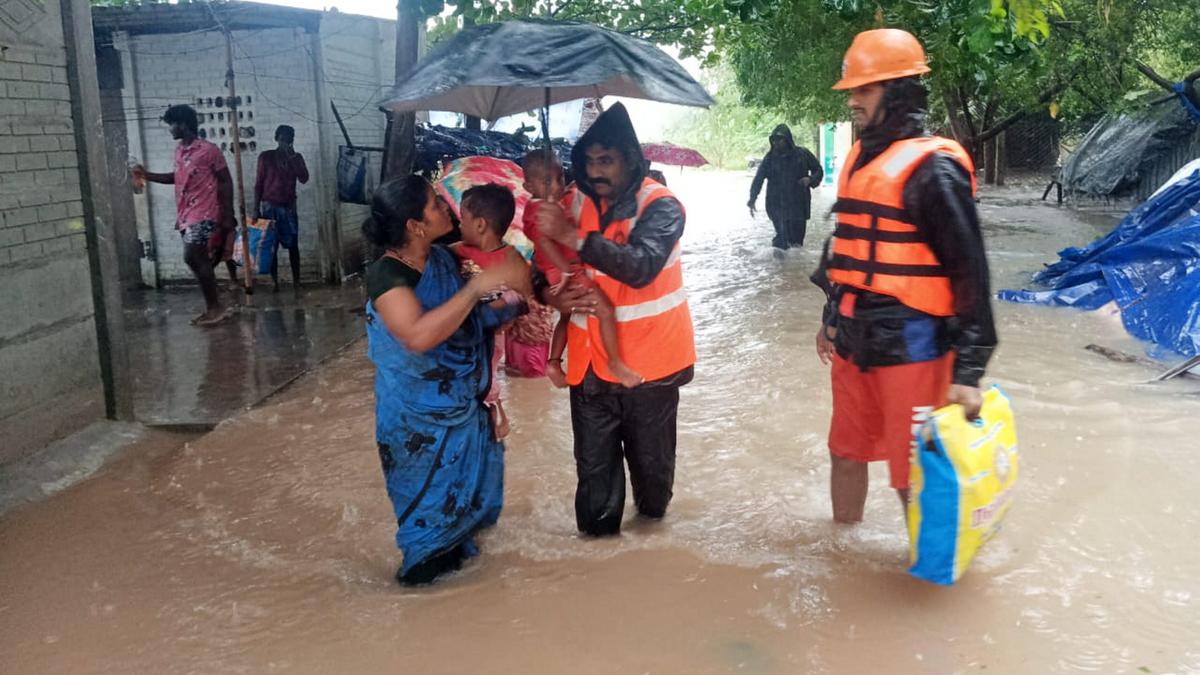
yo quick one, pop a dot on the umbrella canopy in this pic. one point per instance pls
(464, 173)
(674, 155)
(500, 69)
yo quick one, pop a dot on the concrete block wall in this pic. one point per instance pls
(50, 383)
(359, 65)
(274, 79)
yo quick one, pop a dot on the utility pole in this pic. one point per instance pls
(402, 127)
(248, 270)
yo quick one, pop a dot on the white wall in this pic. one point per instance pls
(358, 56)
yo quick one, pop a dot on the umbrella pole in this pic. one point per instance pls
(546, 141)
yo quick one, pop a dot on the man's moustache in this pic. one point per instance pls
(601, 181)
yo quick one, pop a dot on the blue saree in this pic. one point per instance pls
(443, 467)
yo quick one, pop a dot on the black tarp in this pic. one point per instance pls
(1115, 154)
(436, 144)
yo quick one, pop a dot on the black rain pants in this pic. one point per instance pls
(636, 426)
(789, 232)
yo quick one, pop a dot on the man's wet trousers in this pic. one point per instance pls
(636, 426)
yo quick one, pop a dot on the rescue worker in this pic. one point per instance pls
(626, 228)
(908, 326)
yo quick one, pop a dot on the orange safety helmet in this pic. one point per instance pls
(882, 54)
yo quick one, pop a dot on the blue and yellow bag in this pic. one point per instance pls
(962, 478)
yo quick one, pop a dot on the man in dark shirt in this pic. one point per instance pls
(275, 197)
(908, 326)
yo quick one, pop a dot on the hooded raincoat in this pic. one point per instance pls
(789, 201)
(613, 425)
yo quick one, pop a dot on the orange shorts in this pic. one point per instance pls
(876, 413)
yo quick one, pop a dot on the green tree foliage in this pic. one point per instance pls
(976, 47)
(992, 60)
(730, 132)
(695, 26)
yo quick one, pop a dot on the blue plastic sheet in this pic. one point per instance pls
(1149, 265)
(352, 168)
(262, 248)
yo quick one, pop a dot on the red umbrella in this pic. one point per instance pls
(674, 155)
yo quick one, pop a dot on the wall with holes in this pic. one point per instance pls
(283, 76)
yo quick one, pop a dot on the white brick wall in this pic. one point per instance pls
(359, 64)
(40, 207)
(49, 372)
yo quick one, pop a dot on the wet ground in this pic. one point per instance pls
(266, 545)
(186, 376)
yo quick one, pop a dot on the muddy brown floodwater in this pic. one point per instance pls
(267, 545)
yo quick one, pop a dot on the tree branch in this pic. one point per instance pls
(1154, 76)
(1189, 82)
(956, 123)
(1012, 119)
(966, 112)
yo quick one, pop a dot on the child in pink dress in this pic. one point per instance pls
(487, 211)
(561, 266)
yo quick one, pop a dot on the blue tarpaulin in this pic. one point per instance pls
(1149, 265)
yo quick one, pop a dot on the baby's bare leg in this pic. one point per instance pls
(558, 343)
(608, 336)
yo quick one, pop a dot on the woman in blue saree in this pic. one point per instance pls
(430, 338)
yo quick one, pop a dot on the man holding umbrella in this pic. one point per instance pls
(626, 228)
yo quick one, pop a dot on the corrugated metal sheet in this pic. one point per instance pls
(1170, 162)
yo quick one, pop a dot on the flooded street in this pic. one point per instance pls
(266, 546)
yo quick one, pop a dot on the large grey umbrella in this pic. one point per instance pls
(499, 69)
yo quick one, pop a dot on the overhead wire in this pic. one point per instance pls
(255, 75)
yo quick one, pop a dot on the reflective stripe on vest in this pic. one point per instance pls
(654, 324)
(876, 246)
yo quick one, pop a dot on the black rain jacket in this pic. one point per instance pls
(639, 260)
(939, 196)
(787, 198)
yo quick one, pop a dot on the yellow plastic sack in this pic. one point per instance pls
(961, 480)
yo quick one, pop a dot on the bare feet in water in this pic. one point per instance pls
(212, 317)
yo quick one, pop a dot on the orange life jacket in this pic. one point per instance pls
(876, 246)
(654, 325)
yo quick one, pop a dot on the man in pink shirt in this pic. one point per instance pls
(275, 197)
(203, 203)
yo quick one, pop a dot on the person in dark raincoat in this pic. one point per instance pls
(791, 172)
(626, 228)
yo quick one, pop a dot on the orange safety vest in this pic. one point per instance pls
(876, 245)
(654, 325)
